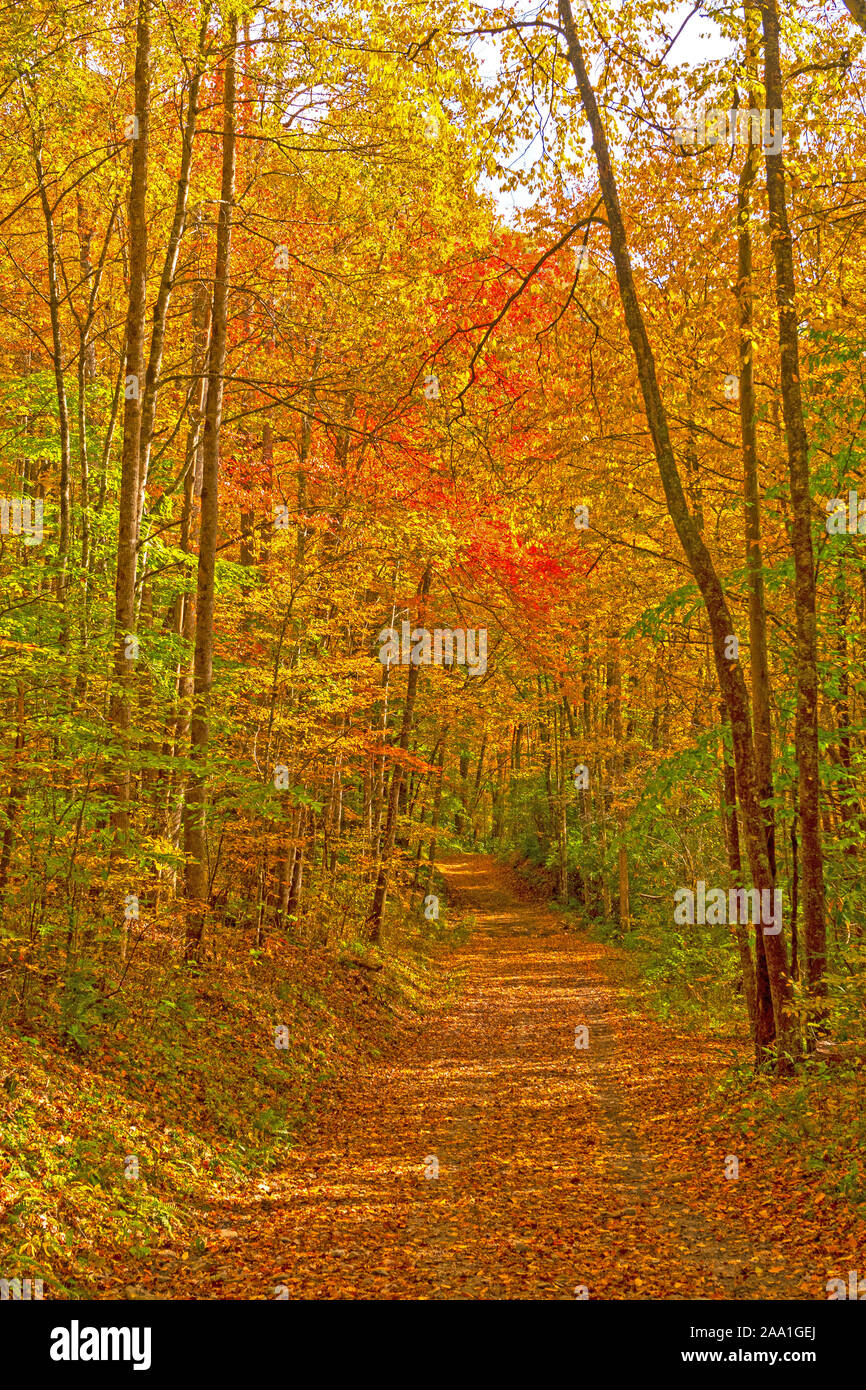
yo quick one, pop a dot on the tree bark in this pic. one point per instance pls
(124, 593)
(194, 810)
(437, 802)
(622, 853)
(857, 11)
(166, 284)
(57, 362)
(374, 920)
(730, 676)
(806, 731)
(761, 1011)
(760, 1018)
(760, 670)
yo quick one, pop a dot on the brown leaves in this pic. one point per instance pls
(556, 1168)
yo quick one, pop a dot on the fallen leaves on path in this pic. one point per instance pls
(493, 1158)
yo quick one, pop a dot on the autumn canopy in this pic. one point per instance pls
(424, 430)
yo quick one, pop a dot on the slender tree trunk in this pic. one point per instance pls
(624, 908)
(463, 763)
(806, 732)
(374, 920)
(166, 284)
(124, 599)
(729, 674)
(85, 368)
(848, 788)
(476, 791)
(437, 802)
(194, 811)
(761, 1010)
(795, 892)
(732, 846)
(91, 281)
(296, 873)
(57, 359)
(562, 811)
(16, 791)
(183, 619)
(759, 662)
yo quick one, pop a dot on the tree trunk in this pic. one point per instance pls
(183, 618)
(380, 894)
(562, 810)
(760, 1020)
(759, 662)
(17, 788)
(194, 811)
(57, 359)
(806, 732)
(624, 910)
(166, 284)
(761, 1011)
(124, 594)
(730, 676)
(437, 801)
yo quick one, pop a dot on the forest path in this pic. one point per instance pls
(557, 1167)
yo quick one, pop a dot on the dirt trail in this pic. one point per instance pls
(557, 1167)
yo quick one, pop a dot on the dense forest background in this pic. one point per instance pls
(282, 390)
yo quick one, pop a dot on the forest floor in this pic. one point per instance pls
(563, 1172)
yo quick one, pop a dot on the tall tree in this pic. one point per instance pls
(759, 661)
(138, 131)
(729, 674)
(195, 844)
(806, 737)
